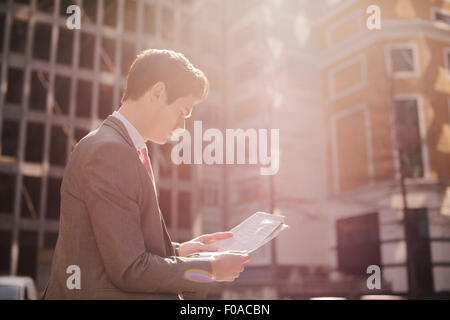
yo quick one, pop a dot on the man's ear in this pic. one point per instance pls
(158, 92)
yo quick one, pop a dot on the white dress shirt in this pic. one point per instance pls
(135, 136)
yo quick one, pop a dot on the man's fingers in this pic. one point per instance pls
(213, 237)
(209, 248)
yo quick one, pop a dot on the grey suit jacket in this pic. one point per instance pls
(112, 228)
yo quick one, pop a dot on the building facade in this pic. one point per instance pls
(387, 113)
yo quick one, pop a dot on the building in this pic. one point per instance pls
(387, 112)
(57, 85)
(273, 81)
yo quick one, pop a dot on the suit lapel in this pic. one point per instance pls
(118, 126)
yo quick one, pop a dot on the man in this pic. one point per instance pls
(112, 234)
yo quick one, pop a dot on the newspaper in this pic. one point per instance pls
(251, 234)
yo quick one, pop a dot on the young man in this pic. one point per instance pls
(113, 243)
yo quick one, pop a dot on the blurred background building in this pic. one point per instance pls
(364, 119)
(387, 117)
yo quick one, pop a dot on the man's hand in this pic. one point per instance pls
(202, 243)
(227, 266)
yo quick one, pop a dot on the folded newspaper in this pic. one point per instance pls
(250, 234)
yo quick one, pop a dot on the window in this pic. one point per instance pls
(344, 28)
(348, 77)
(62, 95)
(87, 42)
(24, 2)
(42, 38)
(58, 144)
(210, 194)
(184, 210)
(79, 134)
(403, 60)
(109, 54)
(247, 190)
(5, 251)
(184, 171)
(31, 194)
(168, 26)
(15, 86)
(2, 30)
(105, 103)
(65, 46)
(409, 140)
(128, 56)
(90, 8)
(38, 93)
(440, 15)
(28, 249)
(130, 18)
(50, 239)
(64, 5)
(418, 240)
(35, 142)
(358, 243)
(7, 188)
(10, 138)
(84, 99)
(53, 198)
(18, 37)
(150, 19)
(352, 158)
(46, 6)
(186, 28)
(110, 13)
(164, 161)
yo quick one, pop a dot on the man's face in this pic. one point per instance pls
(171, 118)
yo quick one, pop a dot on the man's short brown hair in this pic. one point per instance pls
(178, 74)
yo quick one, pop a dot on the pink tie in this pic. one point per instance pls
(143, 155)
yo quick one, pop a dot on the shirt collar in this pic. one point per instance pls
(135, 136)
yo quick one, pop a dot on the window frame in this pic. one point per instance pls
(357, 15)
(365, 108)
(361, 59)
(416, 61)
(422, 131)
(435, 10)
